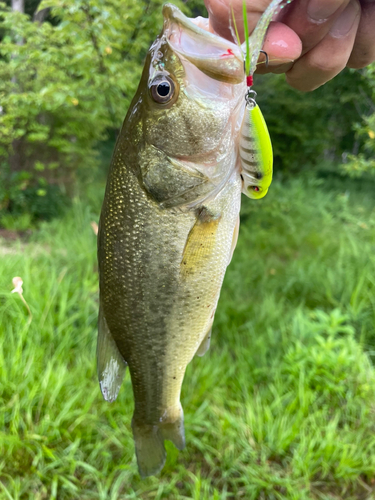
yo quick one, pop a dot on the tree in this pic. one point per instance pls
(18, 5)
(364, 163)
(66, 86)
(315, 128)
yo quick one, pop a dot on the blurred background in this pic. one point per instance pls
(282, 406)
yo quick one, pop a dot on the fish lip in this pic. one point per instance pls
(224, 64)
(172, 13)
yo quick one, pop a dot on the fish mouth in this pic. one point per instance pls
(214, 56)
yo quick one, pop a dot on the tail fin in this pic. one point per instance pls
(149, 449)
(174, 431)
(149, 441)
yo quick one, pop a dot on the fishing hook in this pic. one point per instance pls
(266, 55)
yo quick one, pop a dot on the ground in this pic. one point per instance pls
(282, 405)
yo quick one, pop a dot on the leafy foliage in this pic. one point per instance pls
(63, 86)
(311, 129)
(364, 163)
(31, 6)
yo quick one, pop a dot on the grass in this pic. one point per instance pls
(281, 407)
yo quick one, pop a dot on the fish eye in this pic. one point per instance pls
(162, 89)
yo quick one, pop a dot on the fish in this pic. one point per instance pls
(169, 225)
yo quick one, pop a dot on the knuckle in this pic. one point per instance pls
(359, 61)
(302, 84)
(329, 66)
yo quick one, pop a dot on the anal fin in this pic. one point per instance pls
(110, 364)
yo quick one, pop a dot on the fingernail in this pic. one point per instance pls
(345, 21)
(320, 10)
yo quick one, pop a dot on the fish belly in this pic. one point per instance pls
(161, 272)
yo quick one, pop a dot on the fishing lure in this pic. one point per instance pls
(256, 156)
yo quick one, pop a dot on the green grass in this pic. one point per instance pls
(281, 407)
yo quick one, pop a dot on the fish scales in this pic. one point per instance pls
(167, 309)
(151, 293)
(169, 225)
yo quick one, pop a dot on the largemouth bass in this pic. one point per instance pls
(169, 225)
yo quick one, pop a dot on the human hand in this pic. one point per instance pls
(312, 41)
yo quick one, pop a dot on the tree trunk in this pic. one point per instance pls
(40, 15)
(18, 5)
(15, 160)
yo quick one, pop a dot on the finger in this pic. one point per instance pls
(220, 15)
(282, 45)
(330, 56)
(312, 19)
(364, 45)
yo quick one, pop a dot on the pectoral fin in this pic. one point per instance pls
(200, 242)
(234, 239)
(110, 364)
(205, 345)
